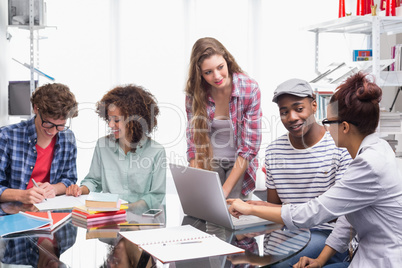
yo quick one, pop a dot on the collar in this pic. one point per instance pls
(140, 146)
(31, 130)
(368, 141)
(235, 85)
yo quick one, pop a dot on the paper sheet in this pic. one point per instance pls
(62, 202)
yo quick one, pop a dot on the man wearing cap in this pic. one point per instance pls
(305, 162)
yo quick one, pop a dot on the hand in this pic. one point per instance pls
(74, 190)
(238, 207)
(50, 191)
(308, 263)
(33, 195)
(15, 207)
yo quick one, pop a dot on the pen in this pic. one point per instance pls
(189, 242)
(36, 185)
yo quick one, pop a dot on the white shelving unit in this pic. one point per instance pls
(372, 27)
(35, 9)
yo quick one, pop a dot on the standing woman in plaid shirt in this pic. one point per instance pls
(41, 150)
(224, 118)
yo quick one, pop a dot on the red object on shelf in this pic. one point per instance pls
(360, 10)
(367, 6)
(341, 9)
(390, 8)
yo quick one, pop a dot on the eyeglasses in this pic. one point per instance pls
(47, 124)
(327, 122)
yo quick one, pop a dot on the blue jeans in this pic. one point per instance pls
(313, 249)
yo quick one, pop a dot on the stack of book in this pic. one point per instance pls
(100, 209)
(83, 217)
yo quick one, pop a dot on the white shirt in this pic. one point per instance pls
(370, 197)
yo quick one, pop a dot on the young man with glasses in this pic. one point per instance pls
(303, 163)
(38, 156)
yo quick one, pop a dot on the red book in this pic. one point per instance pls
(58, 218)
(88, 215)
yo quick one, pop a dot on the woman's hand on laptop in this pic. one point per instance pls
(238, 207)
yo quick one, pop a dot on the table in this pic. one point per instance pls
(264, 245)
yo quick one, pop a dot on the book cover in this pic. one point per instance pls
(102, 200)
(362, 55)
(180, 243)
(108, 231)
(58, 218)
(21, 222)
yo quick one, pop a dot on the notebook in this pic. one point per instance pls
(180, 243)
(21, 222)
(201, 196)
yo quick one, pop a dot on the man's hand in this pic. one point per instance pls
(50, 191)
(33, 195)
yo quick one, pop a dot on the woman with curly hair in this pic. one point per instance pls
(367, 200)
(224, 118)
(41, 150)
(127, 162)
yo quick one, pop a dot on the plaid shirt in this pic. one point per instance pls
(245, 113)
(18, 156)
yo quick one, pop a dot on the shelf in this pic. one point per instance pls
(358, 25)
(35, 27)
(390, 79)
(387, 78)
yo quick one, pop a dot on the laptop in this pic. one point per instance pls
(201, 196)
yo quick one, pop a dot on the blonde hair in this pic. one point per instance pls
(198, 89)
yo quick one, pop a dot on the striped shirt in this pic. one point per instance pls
(245, 113)
(18, 156)
(285, 242)
(299, 175)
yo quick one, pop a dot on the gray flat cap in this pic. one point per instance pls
(297, 87)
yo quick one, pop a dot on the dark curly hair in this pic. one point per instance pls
(138, 107)
(357, 101)
(55, 101)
